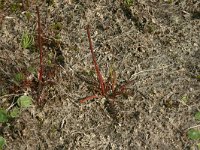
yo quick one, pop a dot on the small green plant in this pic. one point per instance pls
(197, 116)
(15, 112)
(198, 77)
(24, 101)
(19, 77)
(128, 2)
(15, 7)
(194, 134)
(27, 40)
(57, 26)
(2, 142)
(28, 15)
(3, 116)
(32, 70)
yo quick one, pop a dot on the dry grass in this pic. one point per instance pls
(156, 44)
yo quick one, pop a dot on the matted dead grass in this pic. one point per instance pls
(156, 44)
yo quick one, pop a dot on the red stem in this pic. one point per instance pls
(40, 45)
(121, 89)
(99, 75)
(88, 98)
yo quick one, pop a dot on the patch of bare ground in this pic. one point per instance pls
(156, 44)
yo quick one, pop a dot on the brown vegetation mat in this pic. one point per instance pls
(156, 44)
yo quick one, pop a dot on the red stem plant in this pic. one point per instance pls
(41, 81)
(40, 72)
(107, 89)
(99, 75)
(40, 46)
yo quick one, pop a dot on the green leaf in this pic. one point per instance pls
(2, 142)
(197, 116)
(27, 40)
(19, 77)
(31, 70)
(3, 116)
(129, 2)
(198, 77)
(15, 112)
(24, 101)
(198, 145)
(194, 134)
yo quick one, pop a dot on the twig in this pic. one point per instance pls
(8, 95)
(193, 127)
(150, 70)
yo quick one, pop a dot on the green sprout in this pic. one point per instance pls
(194, 134)
(15, 7)
(27, 40)
(197, 116)
(15, 112)
(3, 116)
(19, 77)
(57, 26)
(128, 2)
(2, 142)
(28, 15)
(24, 101)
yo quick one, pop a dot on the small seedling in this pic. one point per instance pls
(2, 142)
(32, 70)
(19, 77)
(28, 15)
(56, 26)
(128, 2)
(27, 40)
(107, 89)
(15, 112)
(24, 101)
(15, 7)
(194, 134)
(3, 116)
(197, 116)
